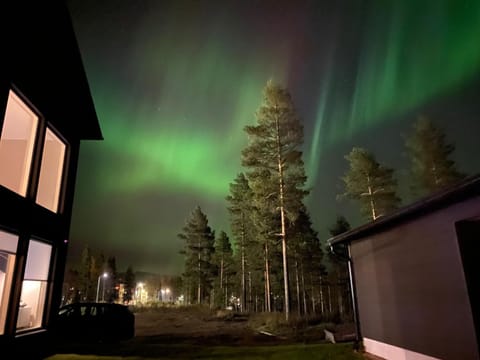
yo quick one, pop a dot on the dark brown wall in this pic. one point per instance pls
(411, 286)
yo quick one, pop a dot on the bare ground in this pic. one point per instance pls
(199, 326)
(196, 325)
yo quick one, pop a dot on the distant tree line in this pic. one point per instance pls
(81, 282)
(275, 260)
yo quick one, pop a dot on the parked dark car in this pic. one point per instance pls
(94, 322)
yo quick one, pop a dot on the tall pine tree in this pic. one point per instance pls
(370, 183)
(431, 166)
(276, 172)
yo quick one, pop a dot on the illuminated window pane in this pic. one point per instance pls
(16, 144)
(34, 286)
(51, 170)
(8, 247)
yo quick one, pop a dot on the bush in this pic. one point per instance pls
(273, 322)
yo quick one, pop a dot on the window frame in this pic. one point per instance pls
(13, 275)
(48, 286)
(37, 153)
(37, 134)
(63, 177)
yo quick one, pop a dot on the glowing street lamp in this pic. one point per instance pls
(104, 275)
(140, 291)
(165, 292)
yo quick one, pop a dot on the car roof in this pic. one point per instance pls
(93, 304)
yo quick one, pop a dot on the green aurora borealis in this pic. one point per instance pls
(174, 83)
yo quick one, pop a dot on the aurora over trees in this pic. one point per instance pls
(175, 82)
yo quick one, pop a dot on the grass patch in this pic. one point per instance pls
(283, 352)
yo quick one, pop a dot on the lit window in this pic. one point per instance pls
(16, 144)
(8, 248)
(51, 170)
(34, 286)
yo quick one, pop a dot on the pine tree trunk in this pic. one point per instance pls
(297, 280)
(304, 292)
(221, 273)
(340, 300)
(322, 300)
(244, 289)
(199, 290)
(249, 291)
(330, 309)
(268, 304)
(212, 299)
(226, 290)
(282, 219)
(314, 310)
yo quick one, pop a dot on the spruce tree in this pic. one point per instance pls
(274, 160)
(199, 248)
(87, 274)
(338, 273)
(307, 258)
(370, 183)
(129, 285)
(431, 166)
(112, 293)
(340, 226)
(241, 210)
(224, 265)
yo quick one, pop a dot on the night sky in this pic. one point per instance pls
(175, 82)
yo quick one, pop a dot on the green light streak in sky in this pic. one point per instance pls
(179, 126)
(191, 92)
(411, 53)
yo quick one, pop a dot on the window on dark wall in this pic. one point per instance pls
(51, 171)
(17, 146)
(17, 141)
(34, 285)
(20, 152)
(8, 248)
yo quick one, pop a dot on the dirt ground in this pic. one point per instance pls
(198, 326)
(203, 326)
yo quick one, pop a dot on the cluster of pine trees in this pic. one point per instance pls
(374, 186)
(277, 260)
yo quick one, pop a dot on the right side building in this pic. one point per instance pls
(416, 277)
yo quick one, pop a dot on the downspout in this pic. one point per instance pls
(353, 292)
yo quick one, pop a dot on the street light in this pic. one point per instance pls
(165, 292)
(139, 291)
(104, 275)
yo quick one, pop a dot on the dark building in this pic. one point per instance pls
(46, 109)
(415, 277)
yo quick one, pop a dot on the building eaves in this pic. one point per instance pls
(467, 188)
